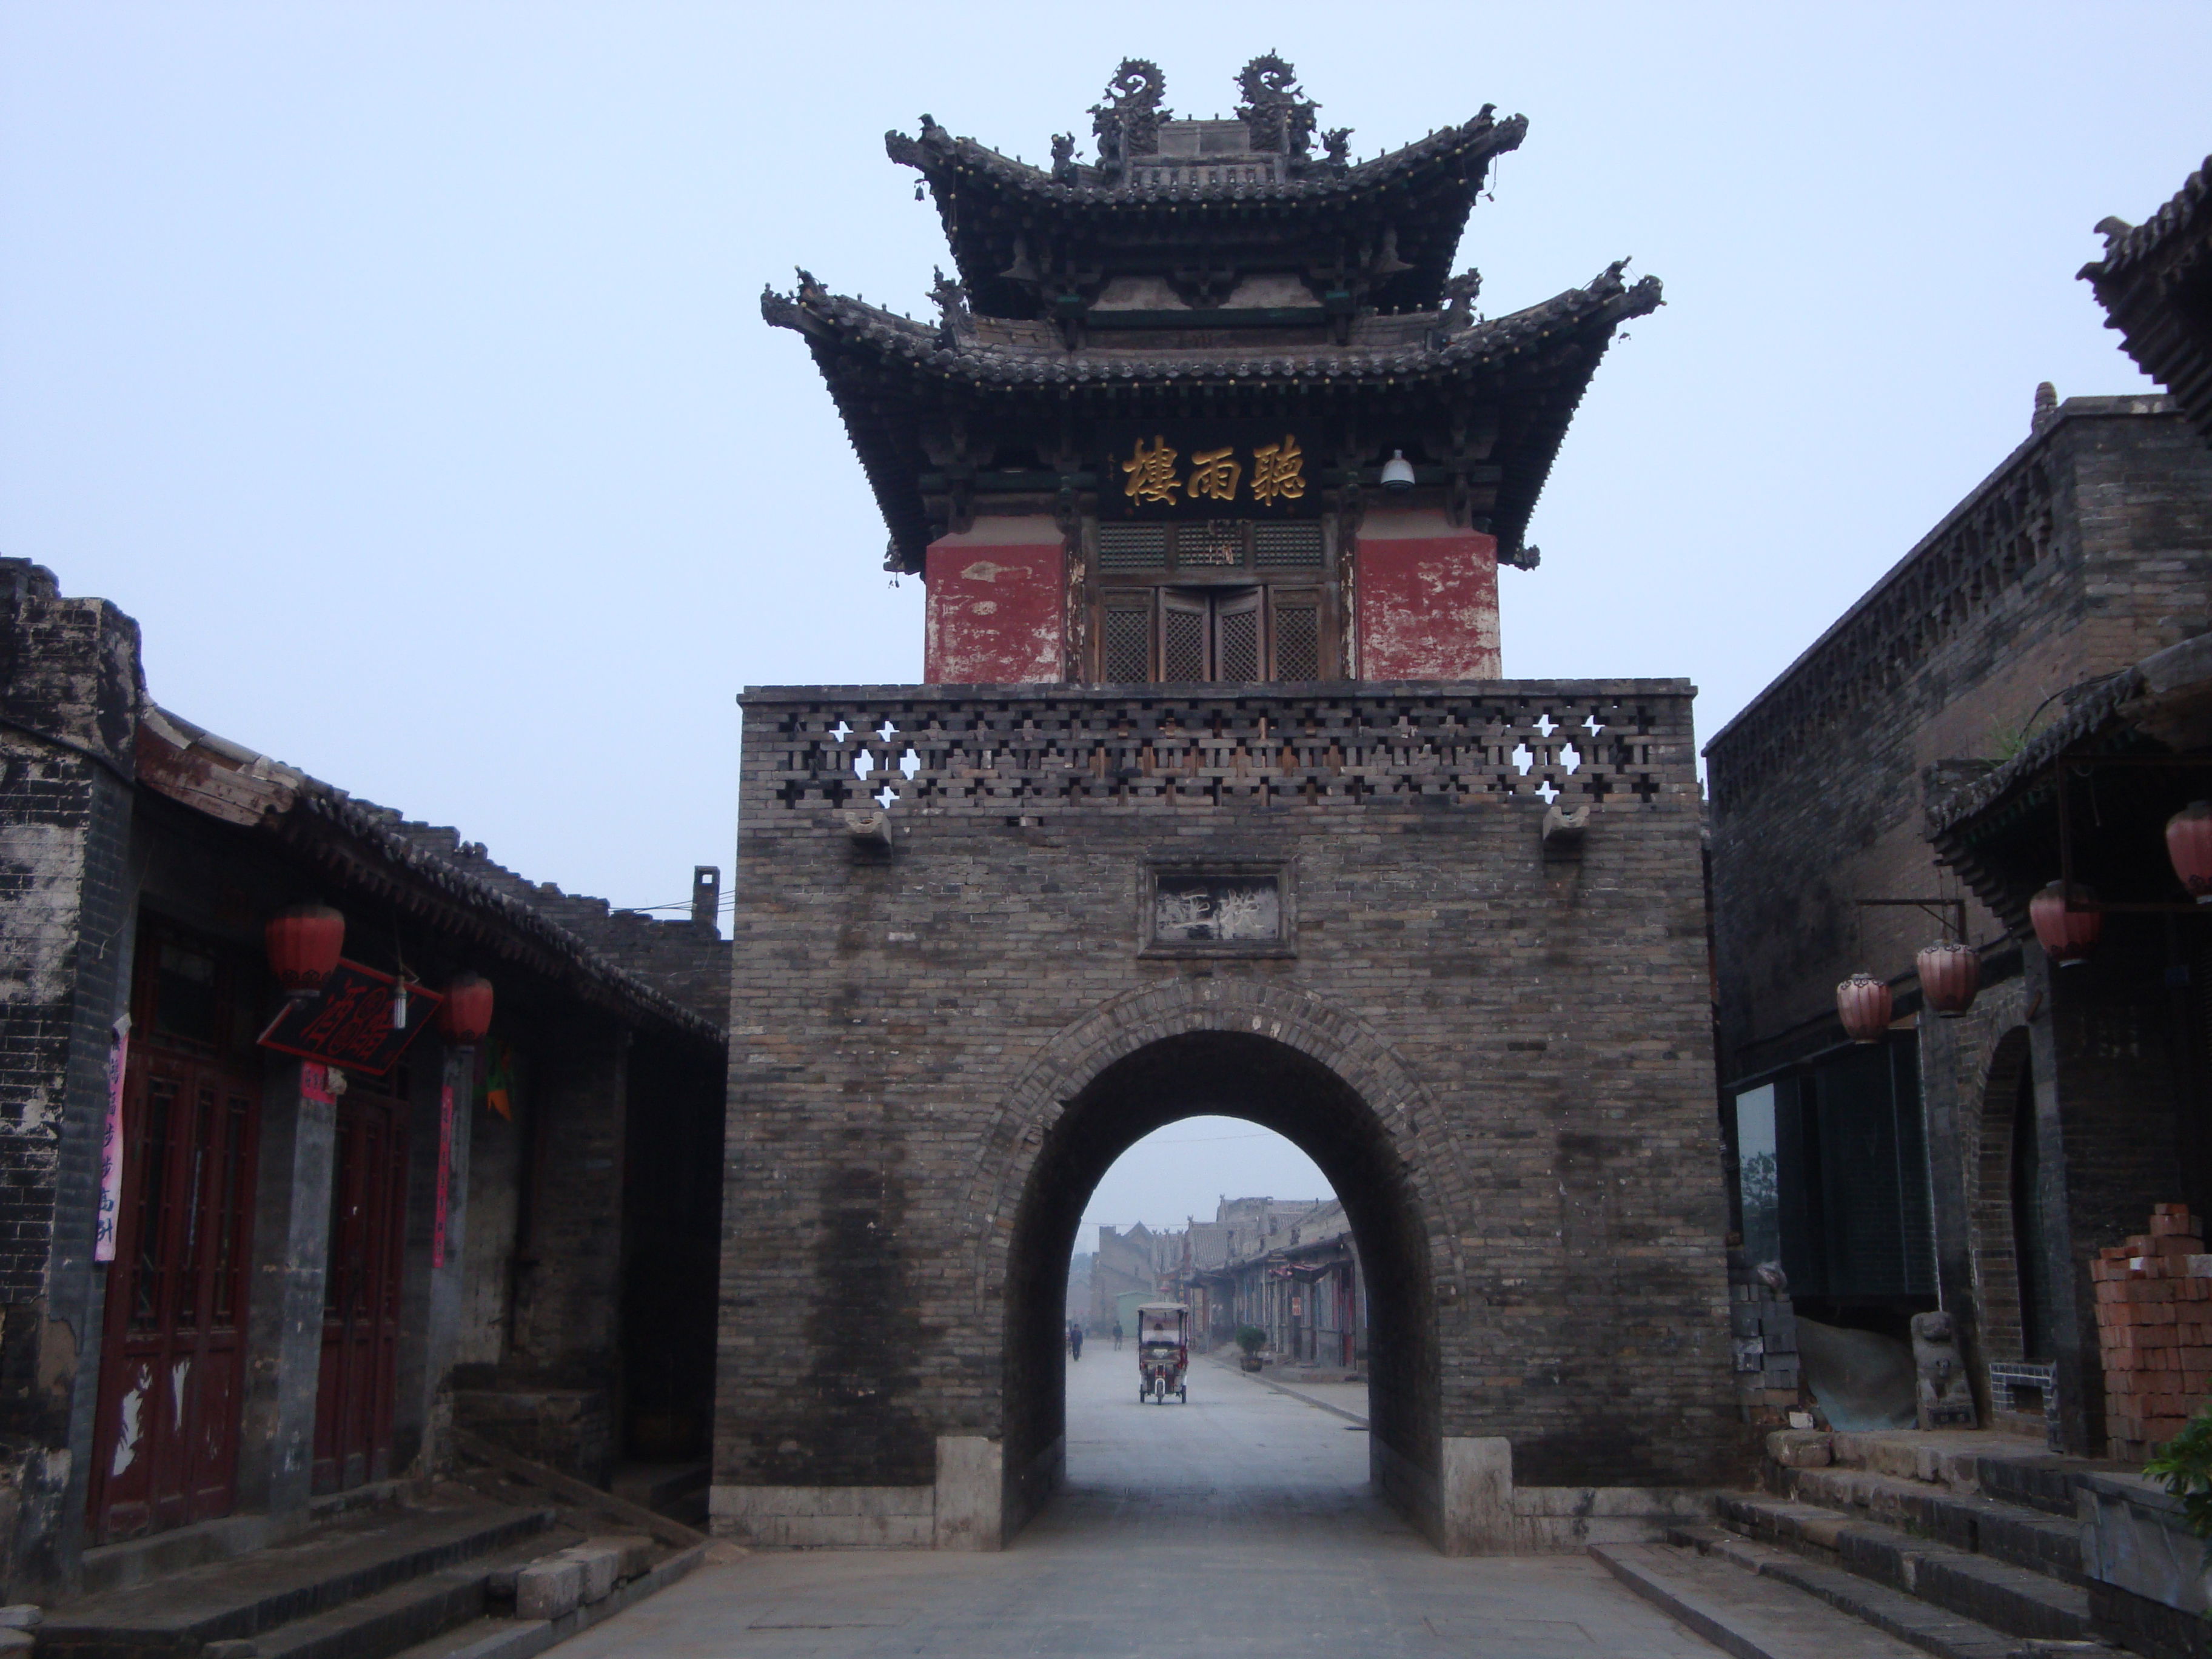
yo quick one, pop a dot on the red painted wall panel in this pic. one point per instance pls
(1428, 607)
(996, 613)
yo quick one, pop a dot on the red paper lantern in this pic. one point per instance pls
(304, 941)
(1863, 1003)
(1950, 974)
(2188, 844)
(2067, 934)
(465, 1015)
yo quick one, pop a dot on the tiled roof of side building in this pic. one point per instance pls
(232, 783)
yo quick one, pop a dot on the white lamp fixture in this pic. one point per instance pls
(1397, 472)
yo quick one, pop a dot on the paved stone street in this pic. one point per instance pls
(1239, 1523)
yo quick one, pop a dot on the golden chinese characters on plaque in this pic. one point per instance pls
(1152, 474)
(1214, 475)
(1278, 473)
(1278, 470)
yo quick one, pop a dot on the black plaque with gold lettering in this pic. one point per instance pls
(1193, 469)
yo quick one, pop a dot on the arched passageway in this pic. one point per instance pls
(1266, 1081)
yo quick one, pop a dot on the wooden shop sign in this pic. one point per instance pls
(350, 1025)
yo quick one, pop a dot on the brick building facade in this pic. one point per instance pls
(315, 1268)
(1977, 1162)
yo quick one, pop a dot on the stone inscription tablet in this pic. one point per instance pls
(1223, 910)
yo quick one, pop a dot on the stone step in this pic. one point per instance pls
(508, 1638)
(135, 1561)
(378, 1625)
(2045, 1483)
(2017, 1600)
(1902, 1617)
(1949, 1457)
(240, 1598)
(1977, 1523)
(1745, 1617)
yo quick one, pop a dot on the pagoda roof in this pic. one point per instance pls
(895, 379)
(1018, 233)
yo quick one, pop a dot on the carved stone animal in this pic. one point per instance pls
(1945, 1398)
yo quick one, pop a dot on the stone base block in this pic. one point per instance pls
(1472, 1507)
(970, 1494)
(1574, 1517)
(601, 1567)
(825, 1518)
(548, 1589)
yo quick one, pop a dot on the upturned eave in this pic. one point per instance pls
(894, 378)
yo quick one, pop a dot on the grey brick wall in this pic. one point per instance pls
(69, 691)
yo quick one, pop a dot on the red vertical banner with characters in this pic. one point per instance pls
(111, 1144)
(445, 1171)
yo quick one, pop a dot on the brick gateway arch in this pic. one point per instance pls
(1279, 1057)
(987, 937)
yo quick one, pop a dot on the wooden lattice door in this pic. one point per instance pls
(361, 1292)
(165, 1442)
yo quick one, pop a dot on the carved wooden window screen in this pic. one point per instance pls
(1237, 637)
(1297, 637)
(1212, 544)
(1186, 625)
(1277, 546)
(1132, 546)
(1187, 635)
(1126, 642)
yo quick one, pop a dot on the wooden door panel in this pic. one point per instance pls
(354, 1412)
(165, 1436)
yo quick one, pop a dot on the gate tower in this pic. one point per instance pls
(1214, 802)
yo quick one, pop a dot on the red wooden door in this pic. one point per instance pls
(361, 1292)
(165, 1444)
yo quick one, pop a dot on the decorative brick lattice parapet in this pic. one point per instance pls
(1008, 749)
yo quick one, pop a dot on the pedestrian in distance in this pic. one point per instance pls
(1118, 1336)
(1074, 1341)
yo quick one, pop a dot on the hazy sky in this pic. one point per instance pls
(399, 366)
(1178, 1174)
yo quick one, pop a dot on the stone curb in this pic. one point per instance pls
(1303, 1399)
(530, 1636)
(1678, 1601)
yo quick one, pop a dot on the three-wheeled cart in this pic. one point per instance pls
(1163, 1352)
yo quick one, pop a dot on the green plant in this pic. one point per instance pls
(1251, 1338)
(2184, 1463)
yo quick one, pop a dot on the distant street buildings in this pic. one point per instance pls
(1288, 1267)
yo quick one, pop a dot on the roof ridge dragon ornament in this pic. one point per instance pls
(1129, 124)
(1276, 111)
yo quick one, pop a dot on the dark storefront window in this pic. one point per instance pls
(1832, 1169)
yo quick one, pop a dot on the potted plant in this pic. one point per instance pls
(1251, 1338)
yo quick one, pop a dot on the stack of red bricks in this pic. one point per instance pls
(2154, 1328)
